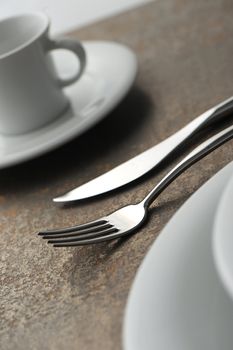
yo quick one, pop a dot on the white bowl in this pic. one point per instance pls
(223, 238)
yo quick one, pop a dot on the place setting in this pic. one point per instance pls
(178, 294)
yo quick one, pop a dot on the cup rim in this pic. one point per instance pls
(44, 28)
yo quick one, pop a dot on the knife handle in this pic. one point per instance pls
(220, 111)
(164, 148)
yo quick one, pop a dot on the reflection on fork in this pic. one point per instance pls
(129, 218)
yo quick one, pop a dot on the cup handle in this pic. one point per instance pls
(77, 48)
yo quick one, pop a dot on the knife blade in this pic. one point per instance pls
(144, 162)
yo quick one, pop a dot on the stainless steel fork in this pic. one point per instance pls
(129, 218)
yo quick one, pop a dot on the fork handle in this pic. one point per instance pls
(194, 156)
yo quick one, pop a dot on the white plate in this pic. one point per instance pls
(110, 72)
(177, 301)
(223, 238)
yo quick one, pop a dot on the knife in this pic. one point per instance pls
(147, 160)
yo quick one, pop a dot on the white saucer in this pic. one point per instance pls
(223, 238)
(110, 72)
(177, 301)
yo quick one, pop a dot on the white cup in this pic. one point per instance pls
(31, 93)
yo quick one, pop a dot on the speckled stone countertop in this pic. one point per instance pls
(75, 298)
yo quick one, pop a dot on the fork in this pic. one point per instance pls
(129, 218)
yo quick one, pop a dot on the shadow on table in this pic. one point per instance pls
(126, 119)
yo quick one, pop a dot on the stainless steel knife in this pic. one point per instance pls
(147, 160)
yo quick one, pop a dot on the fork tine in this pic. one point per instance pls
(94, 240)
(80, 233)
(90, 224)
(84, 237)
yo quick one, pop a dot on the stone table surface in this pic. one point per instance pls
(75, 298)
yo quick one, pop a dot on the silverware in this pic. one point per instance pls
(129, 218)
(144, 162)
